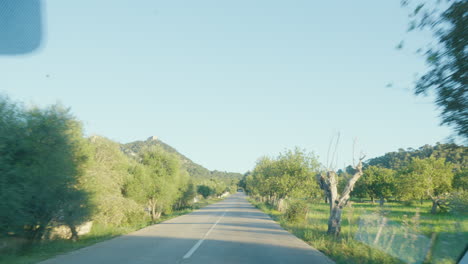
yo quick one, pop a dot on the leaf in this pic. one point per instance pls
(400, 45)
(418, 8)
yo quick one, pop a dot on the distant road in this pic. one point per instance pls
(230, 231)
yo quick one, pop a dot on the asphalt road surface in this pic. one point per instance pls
(230, 231)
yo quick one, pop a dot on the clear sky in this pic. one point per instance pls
(225, 82)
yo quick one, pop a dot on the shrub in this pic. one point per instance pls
(458, 202)
(296, 211)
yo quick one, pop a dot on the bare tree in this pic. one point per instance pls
(328, 182)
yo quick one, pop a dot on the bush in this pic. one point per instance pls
(296, 211)
(114, 210)
(42, 159)
(205, 191)
(458, 202)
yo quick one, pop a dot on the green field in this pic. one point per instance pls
(99, 233)
(410, 235)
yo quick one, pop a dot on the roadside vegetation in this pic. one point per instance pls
(408, 206)
(57, 185)
(451, 231)
(49, 248)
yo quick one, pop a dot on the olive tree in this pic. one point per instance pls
(426, 178)
(156, 181)
(291, 174)
(380, 182)
(42, 158)
(328, 182)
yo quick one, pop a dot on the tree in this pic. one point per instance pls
(291, 174)
(189, 192)
(328, 182)
(42, 159)
(455, 154)
(105, 180)
(447, 59)
(426, 178)
(380, 182)
(12, 148)
(156, 181)
(460, 180)
(55, 162)
(204, 191)
(361, 191)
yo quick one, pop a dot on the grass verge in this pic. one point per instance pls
(47, 249)
(449, 233)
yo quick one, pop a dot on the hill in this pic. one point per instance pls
(195, 170)
(455, 154)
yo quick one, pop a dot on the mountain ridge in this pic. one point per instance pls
(195, 170)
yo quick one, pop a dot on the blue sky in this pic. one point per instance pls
(225, 82)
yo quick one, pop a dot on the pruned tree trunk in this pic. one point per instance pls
(280, 205)
(153, 214)
(334, 221)
(437, 201)
(434, 207)
(157, 215)
(328, 182)
(74, 233)
(152, 203)
(271, 200)
(381, 201)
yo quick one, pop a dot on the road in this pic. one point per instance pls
(230, 231)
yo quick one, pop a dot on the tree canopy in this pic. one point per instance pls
(42, 159)
(290, 174)
(447, 58)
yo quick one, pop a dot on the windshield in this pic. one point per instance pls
(343, 122)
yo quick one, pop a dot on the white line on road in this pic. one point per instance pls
(195, 247)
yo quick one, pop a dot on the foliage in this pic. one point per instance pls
(451, 163)
(297, 211)
(458, 202)
(156, 181)
(42, 158)
(291, 174)
(105, 179)
(50, 174)
(189, 193)
(378, 182)
(425, 178)
(451, 230)
(204, 190)
(214, 187)
(196, 171)
(50, 248)
(460, 180)
(455, 154)
(446, 58)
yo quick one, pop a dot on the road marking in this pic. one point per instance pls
(195, 247)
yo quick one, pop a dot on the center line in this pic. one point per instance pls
(195, 247)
